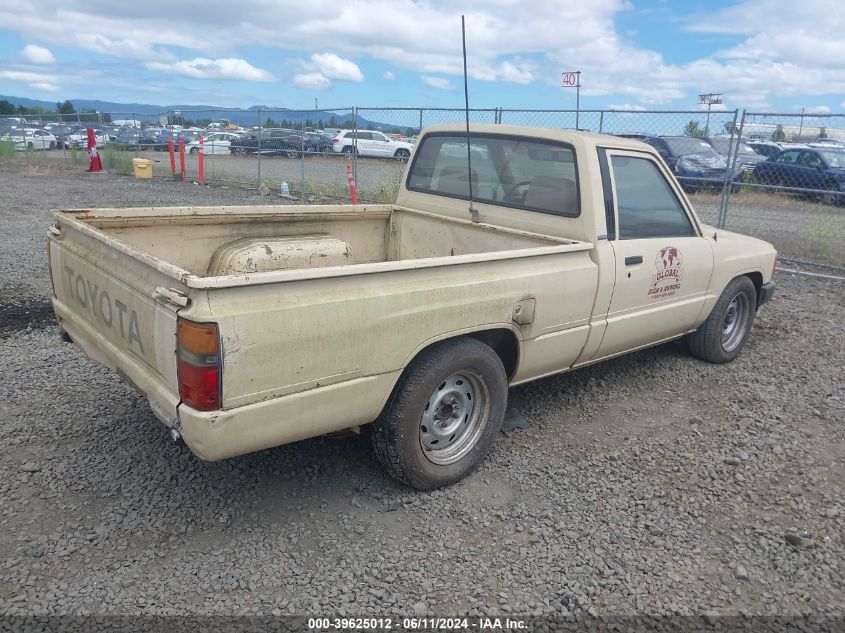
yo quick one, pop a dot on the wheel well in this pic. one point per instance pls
(504, 343)
(757, 280)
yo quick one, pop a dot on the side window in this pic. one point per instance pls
(365, 136)
(647, 205)
(787, 157)
(809, 159)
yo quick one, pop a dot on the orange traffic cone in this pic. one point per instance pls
(95, 164)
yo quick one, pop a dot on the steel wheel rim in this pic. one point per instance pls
(735, 322)
(451, 422)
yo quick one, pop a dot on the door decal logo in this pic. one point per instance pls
(667, 280)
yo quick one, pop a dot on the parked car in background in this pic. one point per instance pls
(819, 169)
(770, 148)
(693, 160)
(370, 143)
(61, 132)
(828, 142)
(319, 143)
(271, 141)
(135, 138)
(214, 143)
(746, 156)
(79, 139)
(30, 139)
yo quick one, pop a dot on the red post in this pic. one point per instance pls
(95, 164)
(200, 165)
(172, 158)
(182, 155)
(353, 193)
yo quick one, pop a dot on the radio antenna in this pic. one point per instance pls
(472, 212)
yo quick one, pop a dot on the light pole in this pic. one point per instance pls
(709, 99)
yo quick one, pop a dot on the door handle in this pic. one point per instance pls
(633, 259)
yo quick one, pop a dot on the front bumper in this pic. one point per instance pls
(765, 293)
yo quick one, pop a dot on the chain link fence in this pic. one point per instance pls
(793, 187)
(780, 177)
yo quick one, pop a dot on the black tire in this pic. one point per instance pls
(195, 151)
(52, 144)
(348, 150)
(30, 146)
(402, 155)
(397, 436)
(709, 341)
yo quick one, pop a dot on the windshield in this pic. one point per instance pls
(683, 145)
(834, 159)
(723, 146)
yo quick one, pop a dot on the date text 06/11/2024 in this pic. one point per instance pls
(411, 624)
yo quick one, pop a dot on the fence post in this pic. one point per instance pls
(302, 164)
(421, 121)
(601, 122)
(355, 143)
(733, 151)
(258, 113)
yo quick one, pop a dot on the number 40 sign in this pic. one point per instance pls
(571, 80)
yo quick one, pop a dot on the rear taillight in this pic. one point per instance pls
(199, 365)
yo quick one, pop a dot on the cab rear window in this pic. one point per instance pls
(517, 172)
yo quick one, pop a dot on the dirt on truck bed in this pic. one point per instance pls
(652, 484)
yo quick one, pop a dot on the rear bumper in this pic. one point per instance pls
(765, 293)
(215, 435)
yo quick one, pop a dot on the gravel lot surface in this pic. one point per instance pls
(651, 484)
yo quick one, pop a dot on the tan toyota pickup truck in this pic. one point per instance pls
(251, 327)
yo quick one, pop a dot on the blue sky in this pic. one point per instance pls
(634, 54)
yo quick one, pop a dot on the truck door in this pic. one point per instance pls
(663, 263)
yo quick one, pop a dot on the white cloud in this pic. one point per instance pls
(311, 81)
(389, 76)
(779, 48)
(37, 54)
(203, 68)
(437, 82)
(129, 48)
(44, 86)
(627, 107)
(28, 77)
(821, 109)
(333, 67)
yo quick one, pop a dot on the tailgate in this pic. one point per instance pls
(104, 299)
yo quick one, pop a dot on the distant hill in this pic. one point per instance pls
(238, 116)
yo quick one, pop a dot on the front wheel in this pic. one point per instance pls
(832, 195)
(443, 414)
(722, 336)
(402, 155)
(195, 151)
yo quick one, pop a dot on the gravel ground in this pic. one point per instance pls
(651, 484)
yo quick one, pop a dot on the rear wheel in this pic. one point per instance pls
(195, 151)
(30, 146)
(443, 415)
(348, 150)
(402, 155)
(722, 336)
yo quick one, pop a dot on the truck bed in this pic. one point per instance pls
(307, 348)
(182, 242)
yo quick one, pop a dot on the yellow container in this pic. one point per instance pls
(143, 167)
